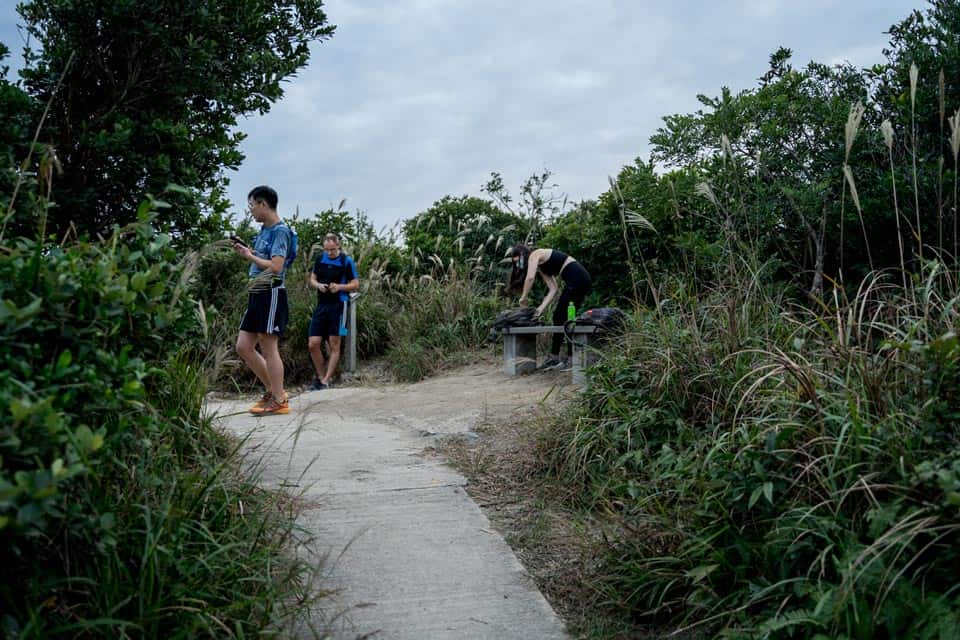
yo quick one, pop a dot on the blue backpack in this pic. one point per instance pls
(292, 253)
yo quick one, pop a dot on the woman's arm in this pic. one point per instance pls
(551, 283)
(534, 259)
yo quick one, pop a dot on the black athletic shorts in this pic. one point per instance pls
(329, 320)
(266, 311)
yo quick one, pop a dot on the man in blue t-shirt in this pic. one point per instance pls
(334, 277)
(266, 315)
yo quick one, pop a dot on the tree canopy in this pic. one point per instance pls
(149, 94)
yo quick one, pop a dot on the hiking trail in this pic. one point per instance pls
(408, 552)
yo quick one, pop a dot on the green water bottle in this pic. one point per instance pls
(571, 312)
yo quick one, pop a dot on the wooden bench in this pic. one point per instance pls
(520, 349)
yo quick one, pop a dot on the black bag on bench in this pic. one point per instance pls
(522, 317)
(610, 321)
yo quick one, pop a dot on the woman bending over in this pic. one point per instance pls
(550, 263)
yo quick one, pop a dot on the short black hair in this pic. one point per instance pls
(266, 194)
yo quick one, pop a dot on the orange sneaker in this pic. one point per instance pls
(266, 399)
(262, 402)
(272, 407)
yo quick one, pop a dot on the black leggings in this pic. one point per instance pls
(576, 286)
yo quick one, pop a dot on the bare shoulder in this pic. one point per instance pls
(539, 256)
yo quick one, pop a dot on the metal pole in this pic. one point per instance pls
(351, 364)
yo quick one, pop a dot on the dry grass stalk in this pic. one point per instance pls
(914, 74)
(704, 189)
(848, 173)
(887, 129)
(638, 220)
(942, 98)
(33, 144)
(621, 205)
(727, 149)
(955, 134)
(955, 149)
(852, 127)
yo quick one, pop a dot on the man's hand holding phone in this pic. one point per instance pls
(241, 247)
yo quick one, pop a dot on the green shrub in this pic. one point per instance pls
(783, 474)
(120, 508)
(425, 322)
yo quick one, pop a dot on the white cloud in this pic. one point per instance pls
(861, 56)
(576, 80)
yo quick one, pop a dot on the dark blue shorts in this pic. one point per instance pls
(266, 311)
(329, 320)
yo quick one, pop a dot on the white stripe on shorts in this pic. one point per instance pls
(273, 308)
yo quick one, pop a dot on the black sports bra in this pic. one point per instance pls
(554, 263)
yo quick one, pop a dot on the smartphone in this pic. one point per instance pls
(237, 240)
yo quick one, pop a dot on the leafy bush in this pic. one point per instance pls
(119, 512)
(427, 322)
(783, 475)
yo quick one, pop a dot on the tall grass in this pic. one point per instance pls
(421, 323)
(781, 469)
(801, 479)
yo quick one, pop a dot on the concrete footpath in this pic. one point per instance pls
(409, 553)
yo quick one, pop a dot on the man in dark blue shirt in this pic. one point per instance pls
(334, 276)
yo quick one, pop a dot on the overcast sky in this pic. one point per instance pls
(415, 99)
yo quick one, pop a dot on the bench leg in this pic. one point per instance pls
(584, 355)
(519, 354)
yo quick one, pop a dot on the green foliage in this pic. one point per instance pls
(418, 315)
(930, 40)
(465, 231)
(537, 204)
(17, 109)
(773, 163)
(676, 235)
(779, 470)
(783, 474)
(118, 510)
(151, 94)
(421, 324)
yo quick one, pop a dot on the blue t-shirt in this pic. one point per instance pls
(270, 242)
(340, 270)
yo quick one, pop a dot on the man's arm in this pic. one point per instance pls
(351, 285)
(314, 283)
(274, 264)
